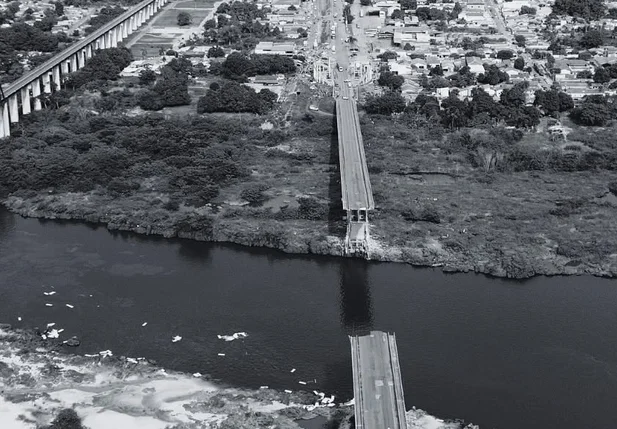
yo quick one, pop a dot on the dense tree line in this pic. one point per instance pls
(239, 66)
(233, 97)
(105, 15)
(105, 64)
(170, 89)
(587, 9)
(237, 25)
(481, 109)
(77, 153)
(595, 110)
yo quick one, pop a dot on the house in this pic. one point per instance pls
(413, 35)
(475, 5)
(475, 64)
(418, 64)
(285, 4)
(275, 48)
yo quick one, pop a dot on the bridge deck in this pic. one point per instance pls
(378, 387)
(355, 182)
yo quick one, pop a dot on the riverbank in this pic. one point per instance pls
(496, 241)
(38, 381)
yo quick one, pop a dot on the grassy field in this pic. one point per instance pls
(169, 17)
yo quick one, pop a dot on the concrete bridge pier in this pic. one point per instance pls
(36, 91)
(14, 108)
(26, 107)
(5, 126)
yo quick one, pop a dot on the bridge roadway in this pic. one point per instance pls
(377, 382)
(357, 193)
(27, 78)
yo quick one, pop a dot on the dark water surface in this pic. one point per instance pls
(506, 355)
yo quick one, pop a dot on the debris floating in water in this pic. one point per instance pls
(53, 334)
(49, 325)
(49, 305)
(53, 292)
(131, 360)
(19, 319)
(197, 374)
(70, 306)
(221, 354)
(302, 382)
(293, 370)
(106, 353)
(234, 336)
(263, 387)
(144, 324)
(176, 339)
(288, 391)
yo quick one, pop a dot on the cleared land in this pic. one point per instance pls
(169, 17)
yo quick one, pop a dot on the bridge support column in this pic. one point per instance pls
(64, 68)
(36, 91)
(47, 83)
(114, 38)
(74, 67)
(14, 108)
(55, 72)
(88, 52)
(133, 21)
(25, 100)
(125, 29)
(5, 126)
(80, 59)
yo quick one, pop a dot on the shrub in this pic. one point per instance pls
(254, 194)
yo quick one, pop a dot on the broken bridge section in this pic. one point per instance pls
(357, 194)
(377, 382)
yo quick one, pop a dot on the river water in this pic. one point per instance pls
(535, 354)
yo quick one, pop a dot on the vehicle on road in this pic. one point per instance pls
(340, 68)
(313, 108)
(345, 97)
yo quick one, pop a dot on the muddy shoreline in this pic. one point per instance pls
(302, 237)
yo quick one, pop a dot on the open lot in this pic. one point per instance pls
(199, 4)
(169, 18)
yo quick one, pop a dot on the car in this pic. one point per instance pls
(345, 97)
(340, 69)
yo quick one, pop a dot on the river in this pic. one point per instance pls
(502, 354)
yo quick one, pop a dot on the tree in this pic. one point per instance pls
(365, 2)
(526, 10)
(601, 75)
(216, 52)
(184, 19)
(388, 55)
(515, 97)
(408, 4)
(519, 63)
(385, 104)
(390, 80)
(456, 11)
(147, 76)
(592, 39)
(592, 114)
(66, 419)
(520, 40)
(408, 47)
(209, 24)
(398, 14)
(505, 54)
(59, 8)
(493, 76)
(436, 71)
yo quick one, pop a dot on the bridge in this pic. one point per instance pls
(22, 96)
(356, 191)
(377, 382)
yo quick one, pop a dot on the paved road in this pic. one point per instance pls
(355, 181)
(378, 392)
